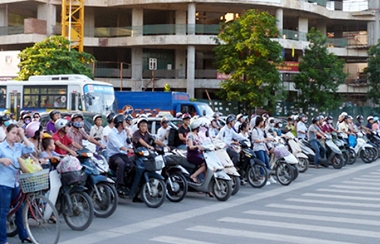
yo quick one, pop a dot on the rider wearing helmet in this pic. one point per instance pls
(317, 146)
(163, 131)
(178, 115)
(54, 116)
(301, 126)
(375, 125)
(215, 125)
(34, 131)
(118, 150)
(239, 120)
(184, 130)
(194, 148)
(62, 141)
(97, 129)
(227, 134)
(344, 126)
(78, 134)
(109, 127)
(328, 127)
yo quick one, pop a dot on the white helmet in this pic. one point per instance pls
(195, 124)
(60, 123)
(205, 122)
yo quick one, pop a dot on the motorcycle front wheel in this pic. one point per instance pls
(82, 213)
(221, 189)
(284, 173)
(351, 156)
(177, 190)
(257, 175)
(235, 184)
(366, 155)
(303, 164)
(153, 192)
(295, 171)
(337, 161)
(106, 205)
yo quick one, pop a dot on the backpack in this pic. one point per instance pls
(173, 139)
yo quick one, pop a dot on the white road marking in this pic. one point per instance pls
(176, 240)
(349, 191)
(335, 203)
(373, 199)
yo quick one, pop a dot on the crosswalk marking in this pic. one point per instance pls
(375, 173)
(350, 182)
(335, 203)
(324, 209)
(176, 240)
(263, 236)
(305, 227)
(315, 217)
(371, 176)
(356, 187)
(374, 199)
(348, 191)
(367, 179)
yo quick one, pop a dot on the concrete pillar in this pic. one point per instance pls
(4, 15)
(137, 21)
(190, 70)
(377, 26)
(137, 66)
(47, 11)
(191, 11)
(180, 63)
(280, 18)
(321, 26)
(180, 21)
(303, 28)
(89, 22)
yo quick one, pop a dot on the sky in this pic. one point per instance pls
(351, 5)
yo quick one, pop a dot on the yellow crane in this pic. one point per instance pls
(73, 22)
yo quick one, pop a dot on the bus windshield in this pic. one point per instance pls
(98, 98)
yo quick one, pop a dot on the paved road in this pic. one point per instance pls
(321, 206)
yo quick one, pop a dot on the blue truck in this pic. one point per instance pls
(160, 102)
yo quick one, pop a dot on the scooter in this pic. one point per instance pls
(303, 160)
(252, 168)
(151, 185)
(228, 165)
(100, 188)
(215, 180)
(366, 151)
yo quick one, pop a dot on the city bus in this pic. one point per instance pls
(63, 92)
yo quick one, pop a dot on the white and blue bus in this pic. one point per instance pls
(64, 92)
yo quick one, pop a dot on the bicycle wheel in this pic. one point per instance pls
(37, 213)
(82, 213)
(11, 225)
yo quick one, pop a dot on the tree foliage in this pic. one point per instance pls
(373, 73)
(320, 75)
(51, 57)
(247, 53)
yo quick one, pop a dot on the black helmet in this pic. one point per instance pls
(315, 119)
(118, 119)
(142, 120)
(329, 117)
(230, 118)
(76, 115)
(359, 117)
(110, 116)
(128, 117)
(3, 118)
(216, 114)
(96, 117)
(53, 112)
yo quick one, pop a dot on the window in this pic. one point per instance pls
(3, 94)
(45, 96)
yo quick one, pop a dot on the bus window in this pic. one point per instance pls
(45, 96)
(3, 92)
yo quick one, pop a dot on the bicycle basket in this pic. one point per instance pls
(34, 181)
(154, 164)
(72, 177)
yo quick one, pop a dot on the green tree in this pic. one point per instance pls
(51, 57)
(320, 75)
(373, 73)
(247, 53)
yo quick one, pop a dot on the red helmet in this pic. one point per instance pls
(186, 116)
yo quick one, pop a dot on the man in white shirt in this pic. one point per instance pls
(301, 127)
(227, 134)
(163, 131)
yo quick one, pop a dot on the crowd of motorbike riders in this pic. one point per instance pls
(124, 133)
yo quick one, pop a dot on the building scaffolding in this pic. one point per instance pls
(73, 22)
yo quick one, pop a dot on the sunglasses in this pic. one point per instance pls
(36, 117)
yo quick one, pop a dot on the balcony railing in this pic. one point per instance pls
(11, 30)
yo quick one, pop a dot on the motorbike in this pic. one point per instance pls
(282, 162)
(100, 188)
(252, 168)
(367, 152)
(303, 160)
(151, 185)
(71, 199)
(228, 165)
(215, 180)
(349, 153)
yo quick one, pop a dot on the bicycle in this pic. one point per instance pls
(37, 210)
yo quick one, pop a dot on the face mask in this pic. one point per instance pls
(329, 121)
(78, 124)
(305, 121)
(271, 124)
(6, 123)
(279, 125)
(361, 121)
(27, 121)
(202, 129)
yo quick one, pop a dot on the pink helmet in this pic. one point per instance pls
(32, 128)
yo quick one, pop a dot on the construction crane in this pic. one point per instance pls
(73, 22)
